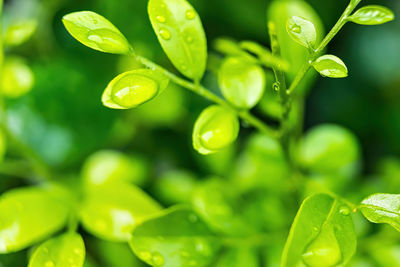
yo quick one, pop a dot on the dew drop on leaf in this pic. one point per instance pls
(145, 255)
(165, 34)
(190, 14)
(323, 251)
(49, 264)
(106, 40)
(296, 28)
(161, 19)
(344, 210)
(158, 259)
(193, 218)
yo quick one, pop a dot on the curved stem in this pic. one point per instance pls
(204, 92)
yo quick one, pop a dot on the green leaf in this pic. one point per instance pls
(322, 234)
(216, 128)
(329, 149)
(239, 257)
(372, 15)
(242, 83)
(3, 145)
(112, 211)
(382, 208)
(96, 32)
(27, 216)
(181, 34)
(17, 78)
(330, 66)
(134, 88)
(107, 166)
(178, 238)
(302, 31)
(19, 32)
(62, 251)
(215, 202)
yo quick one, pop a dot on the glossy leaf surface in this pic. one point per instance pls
(241, 82)
(302, 31)
(177, 238)
(66, 250)
(96, 32)
(331, 66)
(28, 216)
(134, 88)
(181, 34)
(322, 234)
(372, 15)
(382, 208)
(112, 211)
(215, 128)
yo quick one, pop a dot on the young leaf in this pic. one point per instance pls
(214, 201)
(177, 238)
(329, 149)
(181, 34)
(19, 32)
(216, 128)
(62, 251)
(134, 88)
(17, 78)
(330, 66)
(27, 216)
(372, 15)
(242, 83)
(302, 31)
(322, 234)
(96, 32)
(112, 211)
(382, 208)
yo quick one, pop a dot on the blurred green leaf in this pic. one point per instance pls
(181, 34)
(62, 251)
(322, 234)
(241, 82)
(96, 32)
(17, 78)
(27, 216)
(238, 257)
(19, 32)
(372, 15)
(302, 31)
(330, 66)
(382, 208)
(178, 238)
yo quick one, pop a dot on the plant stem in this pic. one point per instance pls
(328, 38)
(204, 92)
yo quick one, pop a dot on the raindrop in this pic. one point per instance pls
(295, 28)
(160, 19)
(49, 264)
(190, 14)
(276, 87)
(189, 39)
(344, 210)
(158, 259)
(145, 255)
(165, 34)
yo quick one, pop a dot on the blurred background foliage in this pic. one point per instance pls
(63, 120)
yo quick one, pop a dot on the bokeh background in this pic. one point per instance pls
(63, 120)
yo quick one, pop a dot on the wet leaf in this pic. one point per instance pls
(242, 83)
(216, 128)
(96, 32)
(177, 238)
(302, 31)
(322, 234)
(112, 211)
(181, 35)
(330, 66)
(382, 208)
(372, 15)
(27, 216)
(66, 250)
(134, 88)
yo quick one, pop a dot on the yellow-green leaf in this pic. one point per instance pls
(67, 250)
(19, 32)
(181, 34)
(133, 88)
(17, 78)
(302, 31)
(372, 15)
(96, 32)
(216, 128)
(330, 66)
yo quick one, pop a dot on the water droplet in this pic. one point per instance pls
(190, 14)
(145, 255)
(193, 218)
(165, 34)
(295, 28)
(344, 210)
(160, 19)
(49, 264)
(276, 87)
(158, 259)
(189, 39)
(77, 251)
(107, 40)
(316, 229)
(323, 251)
